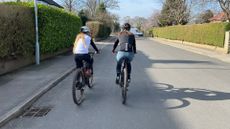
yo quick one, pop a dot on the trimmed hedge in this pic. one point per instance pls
(57, 29)
(16, 31)
(210, 34)
(98, 29)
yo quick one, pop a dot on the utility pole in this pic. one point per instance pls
(37, 47)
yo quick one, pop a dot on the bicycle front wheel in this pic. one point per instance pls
(77, 88)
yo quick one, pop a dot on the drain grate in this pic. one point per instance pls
(37, 112)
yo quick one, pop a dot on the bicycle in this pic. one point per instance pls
(123, 78)
(83, 77)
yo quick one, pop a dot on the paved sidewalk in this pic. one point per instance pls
(201, 51)
(21, 88)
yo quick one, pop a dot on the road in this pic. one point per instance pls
(170, 89)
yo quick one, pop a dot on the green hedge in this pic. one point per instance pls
(210, 34)
(16, 31)
(98, 29)
(57, 29)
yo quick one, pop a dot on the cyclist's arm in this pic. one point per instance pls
(93, 45)
(115, 44)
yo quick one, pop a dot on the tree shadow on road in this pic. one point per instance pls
(148, 90)
(169, 92)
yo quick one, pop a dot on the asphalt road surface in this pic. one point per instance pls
(170, 89)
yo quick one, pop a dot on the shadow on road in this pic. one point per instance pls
(167, 92)
(162, 92)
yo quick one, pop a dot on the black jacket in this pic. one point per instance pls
(127, 42)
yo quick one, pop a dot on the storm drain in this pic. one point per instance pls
(37, 112)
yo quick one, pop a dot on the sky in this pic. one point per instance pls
(132, 8)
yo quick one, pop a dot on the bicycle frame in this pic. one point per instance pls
(86, 70)
(82, 77)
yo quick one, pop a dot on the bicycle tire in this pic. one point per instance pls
(125, 83)
(77, 87)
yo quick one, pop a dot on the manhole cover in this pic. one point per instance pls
(37, 112)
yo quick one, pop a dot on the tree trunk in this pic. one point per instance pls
(225, 7)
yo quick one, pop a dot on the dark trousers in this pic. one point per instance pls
(86, 57)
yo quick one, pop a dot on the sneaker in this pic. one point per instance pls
(117, 80)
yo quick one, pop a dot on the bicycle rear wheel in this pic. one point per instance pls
(125, 84)
(77, 88)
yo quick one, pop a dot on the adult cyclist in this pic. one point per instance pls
(81, 47)
(127, 43)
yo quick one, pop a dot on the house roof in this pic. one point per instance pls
(51, 2)
(219, 17)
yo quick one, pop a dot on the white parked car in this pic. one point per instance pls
(136, 32)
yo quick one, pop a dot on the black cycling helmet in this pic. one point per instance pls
(126, 26)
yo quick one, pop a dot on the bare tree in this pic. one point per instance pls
(224, 5)
(91, 5)
(139, 22)
(153, 20)
(70, 5)
(174, 12)
(181, 12)
(115, 22)
(111, 4)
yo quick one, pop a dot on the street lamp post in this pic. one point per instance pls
(37, 47)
